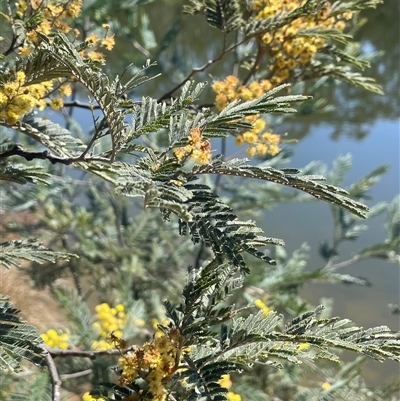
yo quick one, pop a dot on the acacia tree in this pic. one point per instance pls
(160, 151)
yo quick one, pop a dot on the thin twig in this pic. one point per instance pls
(257, 61)
(142, 50)
(219, 176)
(88, 106)
(195, 70)
(55, 352)
(18, 150)
(68, 376)
(54, 377)
(72, 269)
(346, 263)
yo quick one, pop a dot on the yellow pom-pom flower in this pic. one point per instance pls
(88, 397)
(231, 396)
(225, 381)
(54, 339)
(259, 303)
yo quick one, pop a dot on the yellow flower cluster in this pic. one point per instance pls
(109, 321)
(225, 381)
(54, 16)
(229, 90)
(55, 340)
(261, 142)
(17, 99)
(155, 362)
(231, 396)
(286, 45)
(88, 397)
(303, 346)
(326, 386)
(288, 50)
(197, 150)
(259, 303)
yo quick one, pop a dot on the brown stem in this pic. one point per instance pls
(55, 352)
(68, 376)
(18, 150)
(202, 68)
(54, 376)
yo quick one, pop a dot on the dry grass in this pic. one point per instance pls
(38, 308)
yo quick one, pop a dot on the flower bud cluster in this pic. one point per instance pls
(154, 362)
(197, 149)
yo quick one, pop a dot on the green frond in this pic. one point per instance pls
(151, 116)
(345, 74)
(146, 32)
(137, 181)
(324, 33)
(224, 15)
(392, 221)
(339, 7)
(205, 294)
(22, 174)
(217, 226)
(202, 378)
(113, 392)
(359, 189)
(267, 103)
(137, 80)
(308, 184)
(12, 251)
(41, 67)
(390, 249)
(345, 57)
(378, 343)
(57, 139)
(257, 27)
(254, 339)
(170, 35)
(96, 82)
(17, 339)
(77, 311)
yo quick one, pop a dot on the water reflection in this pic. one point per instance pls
(192, 42)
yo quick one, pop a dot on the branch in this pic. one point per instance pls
(18, 150)
(55, 378)
(82, 105)
(202, 68)
(68, 376)
(54, 352)
(346, 263)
